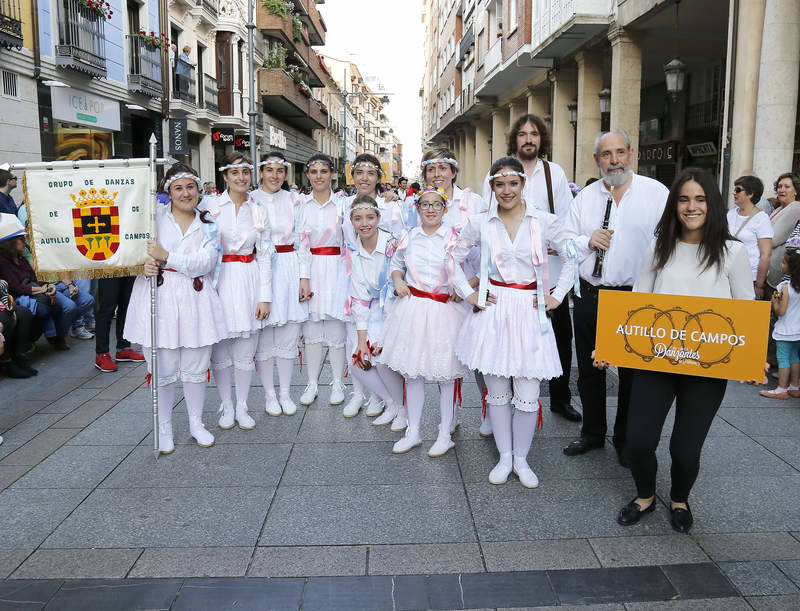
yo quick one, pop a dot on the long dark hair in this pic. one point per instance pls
(792, 258)
(541, 127)
(506, 162)
(181, 168)
(715, 230)
(279, 155)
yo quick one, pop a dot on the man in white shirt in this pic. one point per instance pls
(632, 205)
(402, 188)
(546, 188)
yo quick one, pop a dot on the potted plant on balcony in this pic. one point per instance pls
(279, 8)
(153, 41)
(276, 57)
(97, 8)
(297, 28)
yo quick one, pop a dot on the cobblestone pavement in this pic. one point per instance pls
(314, 511)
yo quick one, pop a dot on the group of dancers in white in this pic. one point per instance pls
(430, 289)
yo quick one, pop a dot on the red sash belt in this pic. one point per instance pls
(169, 269)
(238, 258)
(284, 247)
(440, 297)
(326, 250)
(522, 287)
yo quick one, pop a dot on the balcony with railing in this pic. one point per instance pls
(465, 44)
(144, 67)
(81, 39)
(206, 10)
(559, 27)
(10, 24)
(282, 97)
(494, 57)
(210, 94)
(307, 9)
(184, 87)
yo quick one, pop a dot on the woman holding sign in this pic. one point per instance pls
(695, 255)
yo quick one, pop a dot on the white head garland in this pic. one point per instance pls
(368, 165)
(179, 176)
(429, 189)
(278, 160)
(323, 162)
(507, 173)
(449, 160)
(231, 166)
(365, 206)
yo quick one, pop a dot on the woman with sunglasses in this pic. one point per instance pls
(291, 263)
(244, 285)
(422, 325)
(185, 256)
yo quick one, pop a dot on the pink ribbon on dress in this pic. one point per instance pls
(348, 259)
(348, 304)
(449, 248)
(396, 244)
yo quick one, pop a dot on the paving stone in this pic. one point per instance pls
(84, 415)
(126, 594)
(11, 473)
(630, 584)
(557, 509)
(140, 400)
(100, 381)
(25, 431)
(192, 562)
(365, 463)
(482, 590)
(749, 546)
(348, 593)
(786, 448)
(121, 388)
(115, 429)
(609, 607)
(72, 400)
(30, 515)
(74, 467)
(697, 604)
(759, 578)
(425, 559)
(538, 555)
(790, 568)
(158, 517)
(10, 559)
(77, 564)
(699, 580)
(350, 515)
(27, 594)
(328, 425)
(775, 603)
(302, 561)
(764, 422)
(22, 410)
(251, 594)
(40, 447)
(219, 465)
(641, 551)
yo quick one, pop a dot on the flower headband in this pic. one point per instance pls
(317, 161)
(231, 166)
(449, 160)
(367, 164)
(180, 175)
(507, 173)
(365, 206)
(438, 190)
(283, 162)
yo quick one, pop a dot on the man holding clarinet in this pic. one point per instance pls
(612, 222)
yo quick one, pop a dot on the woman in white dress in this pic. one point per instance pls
(291, 263)
(370, 290)
(509, 338)
(423, 323)
(244, 286)
(190, 318)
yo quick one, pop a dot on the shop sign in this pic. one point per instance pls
(242, 142)
(702, 149)
(85, 108)
(178, 137)
(277, 139)
(222, 136)
(658, 152)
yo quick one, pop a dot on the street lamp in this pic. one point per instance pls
(605, 101)
(572, 109)
(675, 72)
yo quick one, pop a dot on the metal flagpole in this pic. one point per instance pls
(252, 113)
(153, 307)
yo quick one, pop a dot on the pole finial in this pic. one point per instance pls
(153, 139)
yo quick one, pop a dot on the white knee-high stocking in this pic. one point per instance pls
(446, 407)
(195, 395)
(415, 400)
(224, 380)
(338, 363)
(264, 369)
(242, 378)
(524, 427)
(393, 382)
(313, 354)
(500, 416)
(285, 367)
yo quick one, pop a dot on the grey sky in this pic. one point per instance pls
(384, 38)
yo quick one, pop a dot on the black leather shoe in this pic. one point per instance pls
(565, 410)
(682, 519)
(583, 445)
(632, 513)
(622, 457)
(11, 370)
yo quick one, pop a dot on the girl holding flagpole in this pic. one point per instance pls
(190, 313)
(244, 286)
(509, 338)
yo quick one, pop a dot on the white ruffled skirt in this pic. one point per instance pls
(330, 285)
(286, 306)
(238, 288)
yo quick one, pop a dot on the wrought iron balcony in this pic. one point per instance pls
(10, 24)
(144, 67)
(210, 93)
(81, 39)
(185, 85)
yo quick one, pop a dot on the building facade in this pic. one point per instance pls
(693, 82)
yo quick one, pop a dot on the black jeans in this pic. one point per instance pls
(592, 381)
(19, 331)
(696, 403)
(113, 294)
(562, 328)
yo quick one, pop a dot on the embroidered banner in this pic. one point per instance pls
(713, 338)
(91, 223)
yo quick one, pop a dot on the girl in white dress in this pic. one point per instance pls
(422, 325)
(244, 285)
(190, 318)
(321, 221)
(291, 262)
(509, 339)
(370, 290)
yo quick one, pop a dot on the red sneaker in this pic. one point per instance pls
(128, 354)
(104, 363)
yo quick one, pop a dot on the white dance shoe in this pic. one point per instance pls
(243, 419)
(486, 428)
(353, 406)
(442, 445)
(375, 405)
(387, 416)
(410, 441)
(400, 421)
(166, 444)
(525, 474)
(337, 393)
(226, 420)
(273, 408)
(309, 394)
(501, 471)
(287, 405)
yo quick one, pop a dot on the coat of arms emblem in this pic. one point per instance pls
(95, 222)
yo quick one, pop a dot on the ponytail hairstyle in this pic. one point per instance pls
(511, 163)
(181, 168)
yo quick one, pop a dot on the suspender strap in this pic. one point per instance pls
(549, 181)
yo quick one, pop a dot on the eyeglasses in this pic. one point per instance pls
(738, 190)
(429, 205)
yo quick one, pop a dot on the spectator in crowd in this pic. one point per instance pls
(113, 295)
(16, 333)
(413, 189)
(8, 182)
(763, 204)
(752, 227)
(402, 188)
(80, 292)
(784, 218)
(183, 70)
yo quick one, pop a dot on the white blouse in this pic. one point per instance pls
(424, 259)
(364, 281)
(391, 217)
(192, 253)
(455, 216)
(322, 224)
(284, 218)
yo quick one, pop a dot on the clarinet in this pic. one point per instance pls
(601, 254)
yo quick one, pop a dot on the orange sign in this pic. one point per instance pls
(713, 338)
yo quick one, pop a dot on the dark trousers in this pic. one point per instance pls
(592, 381)
(696, 403)
(562, 328)
(20, 332)
(113, 294)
